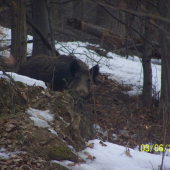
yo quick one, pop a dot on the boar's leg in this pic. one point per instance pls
(74, 67)
(94, 71)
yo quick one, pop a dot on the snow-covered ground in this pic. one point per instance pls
(115, 157)
(107, 157)
(128, 71)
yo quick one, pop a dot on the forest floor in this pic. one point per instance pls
(122, 120)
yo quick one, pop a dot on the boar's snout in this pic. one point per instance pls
(83, 93)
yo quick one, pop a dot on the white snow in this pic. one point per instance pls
(6, 155)
(39, 122)
(113, 157)
(53, 131)
(24, 79)
(46, 115)
(40, 117)
(100, 130)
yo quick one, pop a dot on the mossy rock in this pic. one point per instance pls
(61, 152)
(54, 166)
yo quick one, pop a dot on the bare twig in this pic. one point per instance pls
(134, 13)
(12, 80)
(145, 14)
(104, 7)
(38, 31)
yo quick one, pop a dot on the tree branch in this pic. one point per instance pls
(38, 31)
(117, 8)
(103, 6)
(134, 13)
(5, 48)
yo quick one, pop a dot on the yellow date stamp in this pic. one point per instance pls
(154, 148)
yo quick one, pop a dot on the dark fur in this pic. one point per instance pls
(63, 71)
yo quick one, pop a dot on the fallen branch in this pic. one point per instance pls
(98, 51)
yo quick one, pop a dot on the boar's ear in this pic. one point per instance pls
(74, 67)
(94, 71)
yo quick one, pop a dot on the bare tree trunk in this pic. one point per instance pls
(40, 19)
(53, 51)
(147, 69)
(164, 9)
(18, 32)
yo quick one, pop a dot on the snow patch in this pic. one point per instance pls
(24, 79)
(40, 118)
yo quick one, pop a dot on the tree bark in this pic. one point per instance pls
(147, 69)
(53, 51)
(18, 32)
(41, 35)
(164, 10)
(40, 19)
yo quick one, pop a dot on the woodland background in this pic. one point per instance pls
(125, 27)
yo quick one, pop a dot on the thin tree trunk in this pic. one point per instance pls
(165, 81)
(53, 51)
(40, 19)
(147, 69)
(164, 9)
(18, 32)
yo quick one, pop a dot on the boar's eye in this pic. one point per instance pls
(78, 79)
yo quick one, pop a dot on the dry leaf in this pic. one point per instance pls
(102, 143)
(24, 95)
(10, 127)
(9, 61)
(17, 160)
(4, 121)
(82, 161)
(40, 117)
(152, 21)
(91, 145)
(91, 157)
(43, 92)
(48, 94)
(127, 152)
(85, 152)
(71, 164)
(97, 101)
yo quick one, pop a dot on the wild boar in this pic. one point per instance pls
(61, 72)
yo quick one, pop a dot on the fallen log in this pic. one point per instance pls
(105, 35)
